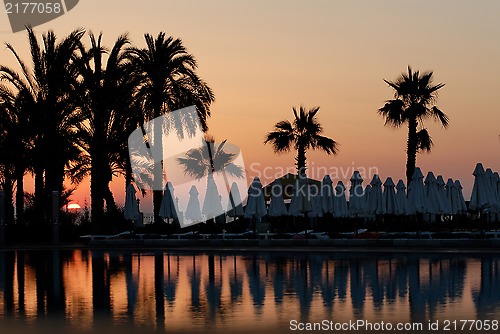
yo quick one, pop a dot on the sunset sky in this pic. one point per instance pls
(261, 58)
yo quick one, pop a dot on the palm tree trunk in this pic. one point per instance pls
(110, 201)
(96, 194)
(301, 160)
(411, 150)
(39, 192)
(8, 186)
(20, 197)
(158, 174)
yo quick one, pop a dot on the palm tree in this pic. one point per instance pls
(104, 89)
(414, 101)
(302, 134)
(47, 92)
(167, 81)
(215, 158)
(14, 147)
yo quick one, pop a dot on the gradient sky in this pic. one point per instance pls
(263, 57)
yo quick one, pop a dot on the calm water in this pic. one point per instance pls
(189, 292)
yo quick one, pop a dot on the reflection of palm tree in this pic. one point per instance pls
(167, 81)
(414, 102)
(303, 134)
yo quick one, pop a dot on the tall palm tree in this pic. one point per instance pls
(48, 91)
(105, 95)
(302, 134)
(14, 146)
(167, 81)
(414, 101)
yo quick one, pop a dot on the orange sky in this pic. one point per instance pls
(263, 57)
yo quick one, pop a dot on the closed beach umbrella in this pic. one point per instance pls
(327, 195)
(496, 185)
(416, 193)
(277, 207)
(366, 199)
(357, 205)
(431, 191)
(443, 198)
(391, 204)
(131, 211)
(193, 210)
(212, 206)
(479, 197)
(256, 204)
(461, 196)
(301, 199)
(316, 203)
(339, 201)
(234, 205)
(168, 208)
(452, 197)
(492, 193)
(401, 199)
(377, 203)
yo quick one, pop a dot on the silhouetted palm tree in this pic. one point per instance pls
(105, 97)
(414, 101)
(14, 149)
(167, 81)
(212, 158)
(302, 134)
(48, 93)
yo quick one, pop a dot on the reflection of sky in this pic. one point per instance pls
(232, 292)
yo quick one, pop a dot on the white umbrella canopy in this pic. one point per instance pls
(212, 205)
(377, 203)
(445, 206)
(433, 200)
(234, 205)
(301, 198)
(316, 203)
(495, 185)
(401, 199)
(131, 211)
(367, 198)
(277, 207)
(391, 204)
(491, 185)
(416, 193)
(453, 197)
(327, 195)
(357, 205)
(339, 201)
(193, 210)
(256, 204)
(479, 198)
(168, 208)
(461, 196)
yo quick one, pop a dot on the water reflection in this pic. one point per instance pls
(174, 291)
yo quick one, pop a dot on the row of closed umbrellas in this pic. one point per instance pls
(430, 195)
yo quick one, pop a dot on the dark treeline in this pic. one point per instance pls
(68, 107)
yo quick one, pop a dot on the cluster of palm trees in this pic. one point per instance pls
(68, 114)
(414, 102)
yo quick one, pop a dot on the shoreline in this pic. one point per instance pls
(255, 245)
